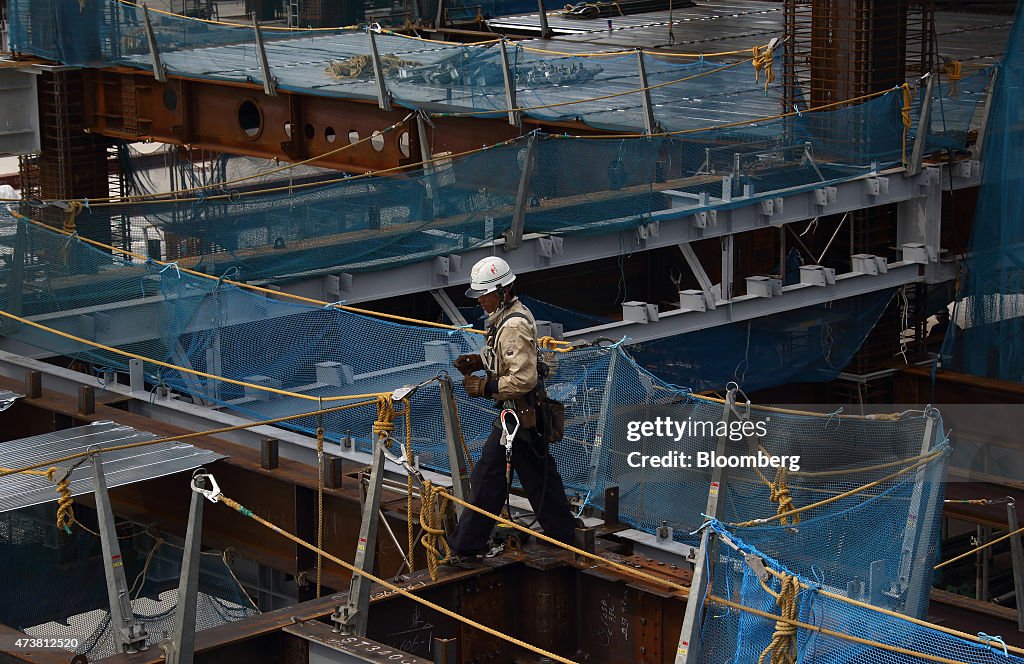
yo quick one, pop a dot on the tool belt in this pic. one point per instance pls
(545, 415)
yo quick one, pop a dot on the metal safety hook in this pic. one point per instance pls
(212, 494)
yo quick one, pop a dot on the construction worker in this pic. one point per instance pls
(510, 360)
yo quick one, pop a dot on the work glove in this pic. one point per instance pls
(475, 385)
(467, 364)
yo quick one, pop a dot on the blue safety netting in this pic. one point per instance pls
(295, 229)
(207, 325)
(731, 634)
(986, 336)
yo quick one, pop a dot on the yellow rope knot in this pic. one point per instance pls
(782, 649)
(953, 72)
(763, 61)
(74, 207)
(555, 345)
(908, 99)
(65, 504)
(433, 503)
(779, 493)
(385, 422)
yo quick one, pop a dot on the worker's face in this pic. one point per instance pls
(489, 302)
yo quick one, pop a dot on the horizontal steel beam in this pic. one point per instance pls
(746, 307)
(682, 224)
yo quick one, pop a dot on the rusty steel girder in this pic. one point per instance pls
(240, 119)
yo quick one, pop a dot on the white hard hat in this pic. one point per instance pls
(488, 275)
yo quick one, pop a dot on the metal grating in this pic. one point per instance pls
(119, 467)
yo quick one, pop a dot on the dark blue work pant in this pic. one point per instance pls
(539, 477)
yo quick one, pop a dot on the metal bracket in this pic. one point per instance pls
(548, 248)
(269, 81)
(825, 196)
(876, 186)
(383, 96)
(159, 70)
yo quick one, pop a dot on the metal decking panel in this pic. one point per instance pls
(120, 467)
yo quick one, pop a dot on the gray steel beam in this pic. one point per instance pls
(383, 96)
(129, 636)
(687, 650)
(685, 223)
(650, 124)
(515, 118)
(1016, 561)
(448, 307)
(269, 80)
(746, 307)
(353, 616)
(191, 417)
(514, 235)
(453, 437)
(159, 70)
(923, 125)
(183, 640)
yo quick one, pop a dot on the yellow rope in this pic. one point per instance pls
(556, 345)
(390, 586)
(30, 469)
(433, 503)
(779, 493)
(168, 365)
(892, 417)
(410, 537)
(65, 504)
(763, 61)
(257, 289)
(953, 70)
(893, 614)
(978, 548)
(782, 649)
(829, 632)
(908, 99)
(74, 207)
(846, 494)
(683, 590)
(385, 422)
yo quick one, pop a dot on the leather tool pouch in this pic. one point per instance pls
(551, 414)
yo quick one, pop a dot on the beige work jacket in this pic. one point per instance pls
(510, 355)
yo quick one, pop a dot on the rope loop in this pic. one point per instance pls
(433, 503)
(763, 60)
(782, 649)
(385, 422)
(779, 493)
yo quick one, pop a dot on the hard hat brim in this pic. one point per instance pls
(473, 293)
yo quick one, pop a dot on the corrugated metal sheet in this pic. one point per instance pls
(7, 399)
(120, 467)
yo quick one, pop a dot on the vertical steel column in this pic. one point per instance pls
(602, 422)
(923, 124)
(183, 642)
(650, 124)
(383, 96)
(704, 560)
(452, 434)
(1016, 561)
(269, 82)
(159, 71)
(352, 617)
(129, 636)
(915, 573)
(515, 118)
(727, 268)
(545, 29)
(985, 113)
(514, 235)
